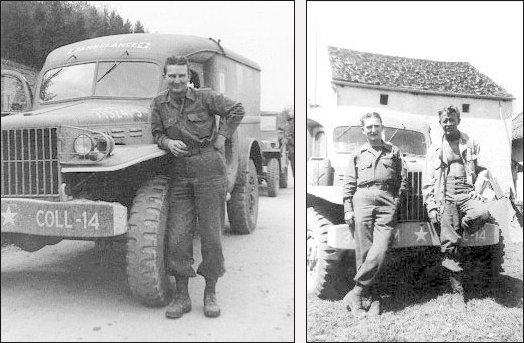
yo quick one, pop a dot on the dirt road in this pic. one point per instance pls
(69, 292)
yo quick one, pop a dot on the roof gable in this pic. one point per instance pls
(411, 74)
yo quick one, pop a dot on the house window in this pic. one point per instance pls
(383, 99)
(465, 108)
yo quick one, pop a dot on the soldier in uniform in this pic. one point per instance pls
(183, 123)
(290, 138)
(374, 181)
(449, 194)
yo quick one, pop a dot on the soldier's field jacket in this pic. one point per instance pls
(437, 167)
(366, 167)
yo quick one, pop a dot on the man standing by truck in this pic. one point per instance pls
(374, 181)
(450, 196)
(183, 123)
(289, 134)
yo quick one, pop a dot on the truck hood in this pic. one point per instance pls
(81, 114)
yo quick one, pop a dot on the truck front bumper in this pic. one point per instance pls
(77, 218)
(411, 234)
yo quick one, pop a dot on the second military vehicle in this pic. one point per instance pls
(333, 134)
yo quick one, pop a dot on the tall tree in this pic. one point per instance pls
(138, 27)
(30, 30)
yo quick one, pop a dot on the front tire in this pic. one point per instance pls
(242, 208)
(328, 269)
(146, 246)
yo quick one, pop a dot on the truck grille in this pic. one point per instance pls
(30, 162)
(412, 203)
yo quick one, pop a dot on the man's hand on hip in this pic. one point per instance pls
(177, 148)
(434, 217)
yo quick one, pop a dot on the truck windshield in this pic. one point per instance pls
(347, 138)
(115, 79)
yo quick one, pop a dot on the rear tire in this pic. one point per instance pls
(146, 246)
(273, 177)
(242, 208)
(329, 270)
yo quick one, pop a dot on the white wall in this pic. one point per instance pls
(482, 123)
(421, 103)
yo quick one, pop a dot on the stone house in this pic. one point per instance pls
(423, 87)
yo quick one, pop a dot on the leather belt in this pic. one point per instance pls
(199, 150)
(381, 186)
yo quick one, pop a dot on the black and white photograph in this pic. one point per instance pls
(414, 171)
(148, 167)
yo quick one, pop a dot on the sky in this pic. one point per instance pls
(486, 34)
(261, 31)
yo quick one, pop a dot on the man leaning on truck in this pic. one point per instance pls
(183, 123)
(374, 181)
(452, 202)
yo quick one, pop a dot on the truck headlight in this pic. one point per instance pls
(84, 144)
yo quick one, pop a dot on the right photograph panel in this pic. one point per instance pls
(414, 171)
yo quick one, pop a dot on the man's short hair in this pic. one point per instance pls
(177, 60)
(449, 110)
(370, 115)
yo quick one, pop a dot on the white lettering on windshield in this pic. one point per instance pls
(135, 45)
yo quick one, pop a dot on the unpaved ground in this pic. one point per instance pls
(69, 292)
(493, 314)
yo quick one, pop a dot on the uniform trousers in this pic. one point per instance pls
(197, 198)
(375, 217)
(460, 213)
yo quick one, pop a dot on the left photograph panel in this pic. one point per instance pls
(147, 171)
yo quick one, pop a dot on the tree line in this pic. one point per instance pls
(30, 30)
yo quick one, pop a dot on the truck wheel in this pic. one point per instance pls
(273, 176)
(329, 270)
(283, 176)
(146, 268)
(242, 208)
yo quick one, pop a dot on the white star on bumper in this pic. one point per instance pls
(421, 235)
(9, 217)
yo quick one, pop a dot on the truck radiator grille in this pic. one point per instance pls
(30, 162)
(412, 203)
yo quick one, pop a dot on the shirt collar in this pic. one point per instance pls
(385, 146)
(190, 94)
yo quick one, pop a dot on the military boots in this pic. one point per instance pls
(457, 299)
(182, 303)
(211, 308)
(353, 301)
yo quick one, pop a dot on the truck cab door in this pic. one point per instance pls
(16, 94)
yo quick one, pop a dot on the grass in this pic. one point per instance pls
(493, 314)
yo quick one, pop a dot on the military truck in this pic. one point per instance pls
(333, 134)
(274, 151)
(82, 163)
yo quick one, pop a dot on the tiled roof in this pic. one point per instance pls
(517, 126)
(411, 74)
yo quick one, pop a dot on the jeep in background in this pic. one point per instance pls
(274, 151)
(82, 163)
(333, 134)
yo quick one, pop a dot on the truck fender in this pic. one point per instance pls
(252, 151)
